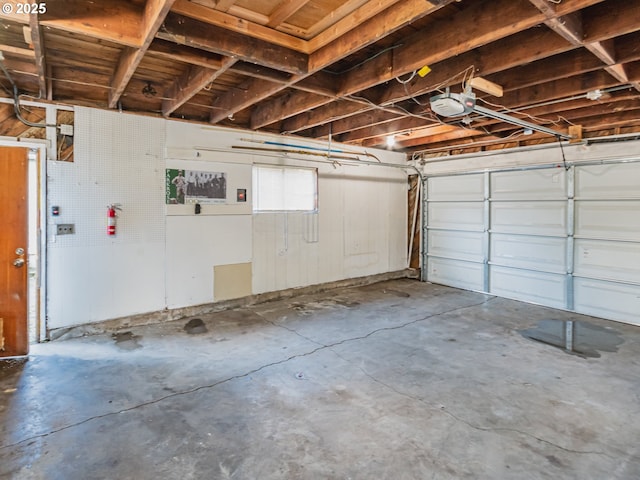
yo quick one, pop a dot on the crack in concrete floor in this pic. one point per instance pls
(435, 408)
(322, 346)
(442, 409)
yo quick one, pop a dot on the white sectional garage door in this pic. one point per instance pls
(456, 234)
(607, 241)
(567, 239)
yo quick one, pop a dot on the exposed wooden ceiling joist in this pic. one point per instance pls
(284, 11)
(238, 26)
(340, 69)
(37, 38)
(188, 85)
(197, 34)
(152, 17)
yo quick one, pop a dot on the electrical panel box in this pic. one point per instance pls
(66, 130)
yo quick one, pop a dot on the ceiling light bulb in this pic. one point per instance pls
(148, 90)
(594, 94)
(391, 141)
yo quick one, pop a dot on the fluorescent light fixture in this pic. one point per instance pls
(458, 104)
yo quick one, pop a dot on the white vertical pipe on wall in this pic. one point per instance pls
(414, 219)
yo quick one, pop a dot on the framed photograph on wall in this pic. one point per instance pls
(194, 186)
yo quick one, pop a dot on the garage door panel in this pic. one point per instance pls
(606, 181)
(529, 185)
(610, 220)
(534, 218)
(607, 260)
(456, 273)
(456, 215)
(607, 299)
(544, 288)
(459, 245)
(456, 188)
(562, 238)
(530, 252)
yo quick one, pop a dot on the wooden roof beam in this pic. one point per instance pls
(368, 119)
(324, 33)
(368, 32)
(583, 112)
(395, 127)
(621, 119)
(243, 96)
(356, 38)
(238, 26)
(568, 26)
(184, 54)
(520, 48)
(324, 115)
(446, 38)
(583, 102)
(20, 52)
(562, 88)
(193, 33)
(456, 134)
(362, 35)
(188, 85)
(481, 23)
(565, 88)
(37, 38)
(225, 5)
(571, 28)
(621, 18)
(284, 10)
(12, 14)
(154, 14)
(501, 55)
(551, 68)
(116, 21)
(606, 51)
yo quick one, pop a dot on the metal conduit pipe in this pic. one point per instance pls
(449, 158)
(16, 100)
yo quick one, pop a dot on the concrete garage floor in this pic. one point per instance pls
(397, 380)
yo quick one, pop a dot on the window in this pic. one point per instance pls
(277, 189)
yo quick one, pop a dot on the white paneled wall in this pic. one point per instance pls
(163, 256)
(91, 276)
(194, 245)
(357, 231)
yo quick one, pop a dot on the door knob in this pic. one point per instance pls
(18, 262)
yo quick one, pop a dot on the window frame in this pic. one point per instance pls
(283, 169)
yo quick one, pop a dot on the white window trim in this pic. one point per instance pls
(284, 168)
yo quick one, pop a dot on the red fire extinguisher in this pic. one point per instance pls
(111, 218)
